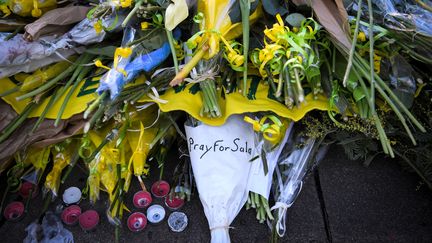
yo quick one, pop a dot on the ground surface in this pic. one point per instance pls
(342, 201)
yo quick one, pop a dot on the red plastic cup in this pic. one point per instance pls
(136, 222)
(70, 215)
(89, 220)
(25, 189)
(174, 202)
(14, 211)
(142, 199)
(160, 189)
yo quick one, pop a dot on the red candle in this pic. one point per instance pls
(89, 220)
(25, 189)
(174, 202)
(137, 222)
(160, 188)
(14, 211)
(71, 214)
(142, 199)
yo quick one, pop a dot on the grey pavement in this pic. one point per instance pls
(341, 201)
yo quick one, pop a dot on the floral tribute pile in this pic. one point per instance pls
(250, 94)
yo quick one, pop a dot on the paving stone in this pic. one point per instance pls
(379, 203)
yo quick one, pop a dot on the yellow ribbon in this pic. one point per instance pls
(52, 182)
(271, 131)
(139, 156)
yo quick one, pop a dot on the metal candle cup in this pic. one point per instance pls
(155, 214)
(72, 195)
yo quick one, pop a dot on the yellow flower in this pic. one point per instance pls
(361, 36)
(235, 59)
(144, 25)
(98, 26)
(179, 50)
(377, 63)
(300, 59)
(125, 3)
(277, 30)
(99, 64)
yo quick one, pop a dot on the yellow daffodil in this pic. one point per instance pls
(125, 3)
(144, 25)
(278, 30)
(361, 36)
(98, 26)
(235, 59)
(377, 63)
(179, 50)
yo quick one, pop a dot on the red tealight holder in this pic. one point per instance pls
(142, 199)
(88, 220)
(25, 189)
(14, 211)
(136, 222)
(160, 189)
(70, 215)
(174, 202)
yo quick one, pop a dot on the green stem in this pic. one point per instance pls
(80, 77)
(96, 117)
(95, 104)
(173, 52)
(245, 12)
(47, 85)
(46, 204)
(10, 91)
(132, 13)
(382, 135)
(17, 122)
(383, 85)
(187, 68)
(28, 200)
(142, 38)
(415, 169)
(371, 53)
(4, 197)
(300, 96)
(11, 35)
(353, 44)
(72, 164)
(51, 102)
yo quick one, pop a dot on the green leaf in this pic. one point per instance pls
(312, 71)
(358, 94)
(264, 160)
(102, 51)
